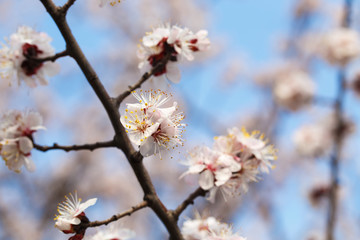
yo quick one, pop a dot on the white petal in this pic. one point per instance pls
(62, 225)
(173, 73)
(25, 145)
(148, 147)
(196, 168)
(74, 220)
(29, 164)
(87, 204)
(206, 180)
(222, 176)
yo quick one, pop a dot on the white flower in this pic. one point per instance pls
(236, 160)
(150, 125)
(186, 43)
(15, 65)
(15, 123)
(138, 125)
(71, 212)
(215, 168)
(16, 153)
(16, 129)
(294, 90)
(208, 229)
(167, 136)
(254, 148)
(312, 140)
(114, 232)
(340, 46)
(171, 41)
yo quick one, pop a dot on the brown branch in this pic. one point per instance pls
(339, 135)
(121, 140)
(118, 216)
(143, 78)
(89, 147)
(67, 5)
(190, 200)
(50, 58)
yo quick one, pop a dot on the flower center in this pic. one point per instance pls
(160, 137)
(156, 58)
(29, 66)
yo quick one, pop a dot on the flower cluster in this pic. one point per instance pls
(340, 46)
(171, 43)
(208, 229)
(294, 90)
(150, 125)
(71, 213)
(235, 160)
(114, 232)
(16, 131)
(17, 58)
(313, 140)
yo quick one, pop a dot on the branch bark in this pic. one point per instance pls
(89, 147)
(143, 78)
(118, 216)
(121, 140)
(190, 200)
(339, 132)
(50, 58)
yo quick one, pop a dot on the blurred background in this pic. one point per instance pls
(257, 46)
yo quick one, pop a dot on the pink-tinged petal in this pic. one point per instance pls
(25, 145)
(173, 73)
(196, 168)
(206, 180)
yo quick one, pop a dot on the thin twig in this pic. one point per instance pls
(143, 78)
(118, 216)
(339, 132)
(50, 58)
(190, 200)
(67, 5)
(89, 147)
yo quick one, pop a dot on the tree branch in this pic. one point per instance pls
(90, 147)
(190, 200)
(118, 216)
(67, 5)
(339, 132)
(143, 78)
(121, 139)
(50, 58)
